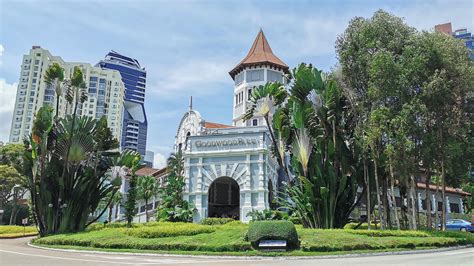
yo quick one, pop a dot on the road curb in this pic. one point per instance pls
(258, 257)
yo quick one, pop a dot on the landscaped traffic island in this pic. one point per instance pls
(14, 231)
(231, 239)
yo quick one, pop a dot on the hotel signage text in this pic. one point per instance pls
(227, 142)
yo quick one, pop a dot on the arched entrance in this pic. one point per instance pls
(224, 198)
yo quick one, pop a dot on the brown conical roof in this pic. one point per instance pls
(259, 53)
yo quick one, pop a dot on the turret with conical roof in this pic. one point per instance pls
(257, 68)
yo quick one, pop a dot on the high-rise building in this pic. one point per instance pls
(257, 68)
(105, 93)
(134, 125)
(462, 34)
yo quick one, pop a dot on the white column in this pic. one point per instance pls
(448, 208)
(420, 205)
(461, 207)
(433, 202)
(246, 193)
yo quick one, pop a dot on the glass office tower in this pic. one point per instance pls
(134, 129)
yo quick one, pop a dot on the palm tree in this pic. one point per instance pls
(262, 101)
(54, 76)
(115, 200)
(147, 188)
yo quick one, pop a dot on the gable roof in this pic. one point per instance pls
(259, 53)
(215, 125)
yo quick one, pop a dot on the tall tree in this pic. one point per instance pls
(147, 188)
(54, 76)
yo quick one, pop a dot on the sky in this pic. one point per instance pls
(188, 47)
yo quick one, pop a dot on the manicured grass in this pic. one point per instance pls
(13, 231)
(230, 239)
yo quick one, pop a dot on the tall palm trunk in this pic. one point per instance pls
(367, 183)
(379, 201)
(146, 210)
(392, 191)
(111, 206)
(275, 145)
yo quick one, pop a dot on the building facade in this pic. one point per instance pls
(105, 93)
(134, 121)
(229, 170)
(462, 34)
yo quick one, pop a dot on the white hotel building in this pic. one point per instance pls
(105, 91)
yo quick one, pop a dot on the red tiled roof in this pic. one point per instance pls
(147, 171)
(448, 189)
(215, 125)
(259, 53)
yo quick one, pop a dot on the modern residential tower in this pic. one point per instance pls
(462, 34)
(105, 93)
(134, 125)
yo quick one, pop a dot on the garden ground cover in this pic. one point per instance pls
(13, 231)
(230, 239)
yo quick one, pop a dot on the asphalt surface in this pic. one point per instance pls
(17, 252)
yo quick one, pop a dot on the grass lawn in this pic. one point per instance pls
(229, 239)
(13, 231)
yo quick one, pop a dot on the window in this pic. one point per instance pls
(249, 94)
(255, 75)
(273, 76)
(34, 81)
(255, 122)
(37, 62)
(239, 78)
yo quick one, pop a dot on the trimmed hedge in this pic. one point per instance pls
(384, 233)
(216, 221)
(363, 226)
(176, 229)
(273, 230)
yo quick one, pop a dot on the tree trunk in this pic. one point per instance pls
(428, 200)
(379, 201)
(436, 207)
(117, 206)
(394, 201)
(12, 215)
(367, 183)
(443, 195)
(146, 210)
(408, 205)
(275, 146)
(388, 223)
(111, 206)
(413, 202)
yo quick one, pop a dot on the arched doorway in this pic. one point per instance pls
(224, 198)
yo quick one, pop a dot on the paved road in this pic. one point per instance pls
(16, 252)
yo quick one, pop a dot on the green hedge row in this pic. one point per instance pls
(384, 233)
(216, 221)
(177, 229)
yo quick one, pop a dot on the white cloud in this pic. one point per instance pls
(7, 102)
(198, 77)
(159, 161)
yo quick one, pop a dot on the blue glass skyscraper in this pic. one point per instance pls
(134, 126)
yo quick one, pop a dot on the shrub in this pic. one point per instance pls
(163, 230)
(363, 226)
(383, 233)
(267, 215)
(272, 230)
(16, 230)
(216, 221)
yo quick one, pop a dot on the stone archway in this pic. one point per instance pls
(224, 198)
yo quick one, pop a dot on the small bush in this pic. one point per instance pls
(363, 226)
(176, 229)
(272, 230)
(267, 215)
(216, 221)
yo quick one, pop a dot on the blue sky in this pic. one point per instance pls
(188, 47)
